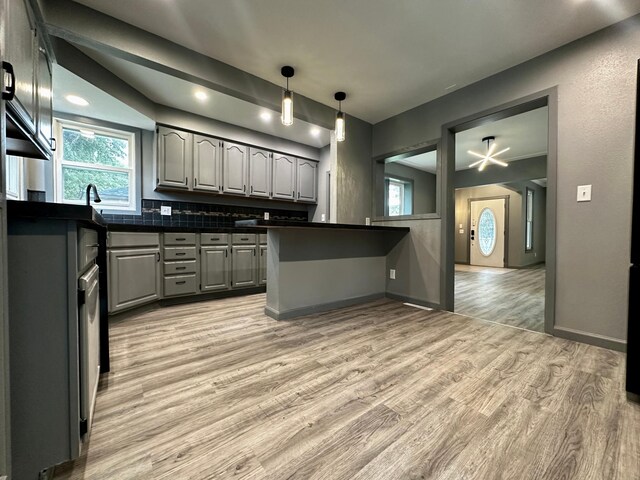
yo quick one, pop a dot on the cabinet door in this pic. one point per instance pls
(44, 97)
(307, 181)
(134, 277)
(214, 268)
(234, 169)
(174, 158)
(206, 164)
(262, 270)
(284, 176)
(244, 266)
(259, 173)
(20, 43)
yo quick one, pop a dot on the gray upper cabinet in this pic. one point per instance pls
(259, 173)
(175, 158)
(215, 271)
(207, 165)
(307, 174)
(284, 176)
(45, 96)
(234, 169)
(20, 43)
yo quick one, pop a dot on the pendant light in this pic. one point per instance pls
(287, 97)
(340, 125)
(489, 157)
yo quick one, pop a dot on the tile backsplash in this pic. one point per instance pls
(190, 214)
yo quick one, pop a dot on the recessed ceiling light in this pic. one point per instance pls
(76, 100)
(266, 116)
(200, 95)
(315, 131)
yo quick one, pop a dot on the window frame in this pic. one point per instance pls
(528, 222)
(19, 165)
(132, 169)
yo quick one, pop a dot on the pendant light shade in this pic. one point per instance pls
(287, 97)
(340, 121)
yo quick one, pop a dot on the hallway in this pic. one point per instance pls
(509, 296)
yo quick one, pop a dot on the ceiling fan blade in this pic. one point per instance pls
(477, 163)
(484, 164)
(476, 154)
(491, 149)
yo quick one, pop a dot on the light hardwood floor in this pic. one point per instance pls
(378, 391)
(514, 298)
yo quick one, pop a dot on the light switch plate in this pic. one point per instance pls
(392, 274)
(165, 210)
(584, 193)
(461, 231)
(266, 215)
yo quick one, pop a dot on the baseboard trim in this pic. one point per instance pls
(590, 338)
(405, 299)
(323, 307)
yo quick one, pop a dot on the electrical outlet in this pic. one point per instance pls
(266, 215)
(392, 274)
(367, 221)
(323, 217)
(165, 210)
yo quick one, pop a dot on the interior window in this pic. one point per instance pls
(14, 178)
(529, 220)
(396, 198)
(101, 156)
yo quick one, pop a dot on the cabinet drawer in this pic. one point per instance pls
(180, 285)
(87, 247)
(179, 238)
(243, 238)
(214, 238)
(179, 253)
(133, 239)
(263, 239)
(173, 268)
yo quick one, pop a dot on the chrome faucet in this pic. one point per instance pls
(96, 197)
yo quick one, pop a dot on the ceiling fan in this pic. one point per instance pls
(489, 157)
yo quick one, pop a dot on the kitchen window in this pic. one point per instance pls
(15, 178)
(102, 156)
(399, 197)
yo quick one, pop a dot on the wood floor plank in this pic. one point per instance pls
(376, 391)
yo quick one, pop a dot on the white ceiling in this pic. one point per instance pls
(389, 56)
(177, 93)
(525, 134)
(102, 106)
(427, 161)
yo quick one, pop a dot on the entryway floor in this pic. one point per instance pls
(509, 296)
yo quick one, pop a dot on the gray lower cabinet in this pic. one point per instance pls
(259, 173)
(244, 264)
(284, 176)
(307, 181)
(234, 168)
(133, 277)
(207, 164)
(215, 272)
(175, 158)
(262, 268)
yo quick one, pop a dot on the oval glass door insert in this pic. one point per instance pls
(486, 232)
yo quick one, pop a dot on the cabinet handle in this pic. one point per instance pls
(298, 194)
(244, 188)
(180, 254)
(157, 256)
(244, 239)
(215, 239)
(181, 268)
(293, 194)
(186, 180)
(11, 87)
(181, 282)
(252, 189)
(54, 144)
(180, 239)
(195, 182)
(226, 252)
(254, 252)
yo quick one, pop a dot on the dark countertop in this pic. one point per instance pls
(130, 227)
(57, 211)
(327, 226)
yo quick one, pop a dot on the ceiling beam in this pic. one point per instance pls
(86, 27)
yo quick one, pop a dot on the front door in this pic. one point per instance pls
(487, 232)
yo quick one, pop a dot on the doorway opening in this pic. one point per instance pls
(500, 208)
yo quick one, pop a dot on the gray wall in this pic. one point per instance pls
(424, 186)
(516, 254)
(324, 167)
(596, 81)
(527, 169)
